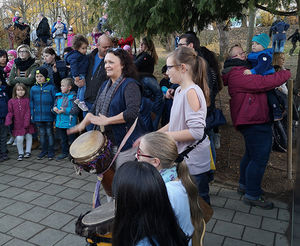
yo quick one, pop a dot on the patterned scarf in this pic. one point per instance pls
(168, 174)
(102, 105)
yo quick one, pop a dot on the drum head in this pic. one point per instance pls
(100, 215)
(87, 145)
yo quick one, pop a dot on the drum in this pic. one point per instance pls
(92, 152)
(96, 225)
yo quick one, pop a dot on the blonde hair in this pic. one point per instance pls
(25, 46)
(14, 92)
(163, 147)
(68, 81)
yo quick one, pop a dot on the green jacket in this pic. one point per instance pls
(29, 80)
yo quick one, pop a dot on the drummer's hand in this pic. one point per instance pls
(75, 129)
(137, 142)
(100, 120)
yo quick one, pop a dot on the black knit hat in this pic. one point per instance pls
(42, 71)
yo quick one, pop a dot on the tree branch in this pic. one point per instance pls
(277, 12)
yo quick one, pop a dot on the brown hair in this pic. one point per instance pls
(275, 62)
(155, 142)
(78, 41)
(14, 93)
(150, 48)
(189, 56)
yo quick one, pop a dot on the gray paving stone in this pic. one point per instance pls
(70, 227)
(213, 190)
(28, 173)
(63, 205)
(210, 225)
(57, 220)
(234, 242)
(223, 214)
(36, 214)
(22, 164)
(247, 219)
(48, 237)
(4, 202)
(75, 183)
(26, 230)
(283, 214)
(217, 201)
(280, 204)
(11, 192)
(43, 176)
(8, 222)
(20, 182)
(274, 225)
(14, 170)
(266, 213)
(73, 240)
(45, 200)
(52, 189)
(211, 239)
(70, 193)
(18, 242)
(28, 196)
(237, 205)
(59, 180)
(228, 229)
(80, 209)
(7, 178)
(3, 168)
(86, 197)
(4, 238)
(229, 194)
(258, 236)
(36, 185)
(88, 187)
(17, 208)
(36, 166)
(49, 169)
(281, 240)
(3, 187)
(64, 171)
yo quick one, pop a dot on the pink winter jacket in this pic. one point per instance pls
(8, 67)
(248, 103)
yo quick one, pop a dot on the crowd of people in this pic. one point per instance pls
(169, 158)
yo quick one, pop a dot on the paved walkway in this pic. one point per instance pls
(40, 201)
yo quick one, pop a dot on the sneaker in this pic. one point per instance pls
(20, 158)
(261, 202)
(61, 157)
(50, 157)
(242, 191)
(76, 101)
(27, 155)
(15, 142)
(82, 106)
(41, 155)
(11, 140)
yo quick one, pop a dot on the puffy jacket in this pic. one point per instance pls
(64, 31)
(261, 62)
(79, 63)
(42, 97)
(248, 103)
(68, 118)
(43, 29)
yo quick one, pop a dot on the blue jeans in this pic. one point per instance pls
(80, 93)
(258, 143)
(60, 45)
(90, 126)
(65, 139)
(46, 137)
(278, 45)
(202, 181)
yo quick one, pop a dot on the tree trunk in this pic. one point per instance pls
(224, 39)
(252, 12)
(297, 80)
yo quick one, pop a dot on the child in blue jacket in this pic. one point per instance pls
(79, 62)
(261, 60)
(3, 128)
(66, 115)
(42, 97)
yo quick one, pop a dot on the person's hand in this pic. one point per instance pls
(54, 68)
(56, 110)
(247, 72)
(80, 82)
(170, 93)
(75, 129)
(100, 120)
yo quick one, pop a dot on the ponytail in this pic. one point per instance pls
(200, 77)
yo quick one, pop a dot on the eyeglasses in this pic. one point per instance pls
(182, 44)
(169, 67)
(23, 51)
(139, 154)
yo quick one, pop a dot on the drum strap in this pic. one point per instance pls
(96, 196)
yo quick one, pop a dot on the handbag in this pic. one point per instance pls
(215, 119)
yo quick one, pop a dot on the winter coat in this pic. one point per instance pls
(144, 63)
(42, 97)
(8, 67)
(19, 116)
(43, 29)
(261, 62)
(59, 32)
(29, 79)
(295, 37)
(70, 39)
(279, 30)
(79, 63)
(68, 118)
(24, 36)
(248, 103)
(3, 103)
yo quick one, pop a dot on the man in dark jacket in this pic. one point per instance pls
(96, 74)
(295, 38)
(250, 115)
(43, 30)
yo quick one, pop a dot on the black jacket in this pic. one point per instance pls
(93, 82)
(43, 29)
